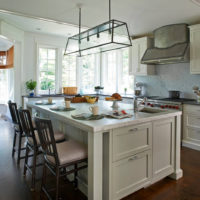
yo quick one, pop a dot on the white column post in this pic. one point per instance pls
(178, 172)
(95, 165)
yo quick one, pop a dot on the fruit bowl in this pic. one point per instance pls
(91, 99)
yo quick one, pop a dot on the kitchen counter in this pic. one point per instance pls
(116, 146)
(104, 107)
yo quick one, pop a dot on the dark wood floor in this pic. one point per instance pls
(14, 187)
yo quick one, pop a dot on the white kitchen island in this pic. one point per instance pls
(123, 155)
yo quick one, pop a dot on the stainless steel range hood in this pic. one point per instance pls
(171, 45)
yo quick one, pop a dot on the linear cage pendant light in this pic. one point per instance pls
(108, 36)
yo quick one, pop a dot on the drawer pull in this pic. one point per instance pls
(133, 158)
(133, 129)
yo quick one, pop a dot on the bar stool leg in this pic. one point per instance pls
(57, 182)
(26, 160)
(14, 142)
(34, 169)
(43, 179)
(75, 177)
(19, 149)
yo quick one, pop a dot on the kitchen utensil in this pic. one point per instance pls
(174, 94)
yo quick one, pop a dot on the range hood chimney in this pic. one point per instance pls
(171, 45)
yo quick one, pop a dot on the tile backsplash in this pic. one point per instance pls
(170, 77)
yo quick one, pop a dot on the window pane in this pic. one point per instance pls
(42, 53)
(43, 65)
(88, 73)
(47, 67)
(69, 71)
(126, 80)
(51, 54)
(110, 72)
(116, 72)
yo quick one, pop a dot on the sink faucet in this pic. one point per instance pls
(137, 105)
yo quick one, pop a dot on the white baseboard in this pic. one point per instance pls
(191, 145)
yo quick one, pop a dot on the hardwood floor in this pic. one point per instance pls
(13, 186)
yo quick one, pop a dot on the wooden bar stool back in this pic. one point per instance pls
(31, 145)
(17, 131)
(59, 156)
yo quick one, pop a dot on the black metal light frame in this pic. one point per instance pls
(111, 26)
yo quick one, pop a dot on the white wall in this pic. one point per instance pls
(31, 42)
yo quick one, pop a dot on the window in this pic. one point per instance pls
(126, 81)
(115, 72)
(47, 69)
(110, 70)
(109, 73)
(89, 73)
(5, 78)
(69, 71)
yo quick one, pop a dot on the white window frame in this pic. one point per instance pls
(57, 70)
(119, 61)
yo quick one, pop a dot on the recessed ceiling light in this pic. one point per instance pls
(197, 2)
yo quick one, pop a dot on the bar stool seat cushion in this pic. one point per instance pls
(59, 137)
(69, 151)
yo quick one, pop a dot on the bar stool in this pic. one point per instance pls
(33, 143)
(17, 131)
(59, 156)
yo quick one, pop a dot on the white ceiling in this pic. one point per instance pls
(39, 26)
(142, 16)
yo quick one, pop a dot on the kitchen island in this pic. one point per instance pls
(123, 155)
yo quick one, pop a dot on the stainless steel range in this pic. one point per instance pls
(164, 103)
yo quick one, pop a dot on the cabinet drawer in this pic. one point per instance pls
(195, 110)
(131, 174)
(192, 134)
(131, 140)
(192, 120)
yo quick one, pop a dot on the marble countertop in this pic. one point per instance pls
(105, 124)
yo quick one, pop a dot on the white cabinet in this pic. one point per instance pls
(130, 140)
(191, 126)
(139, 156)
(195, 49)
(137, 51)
(131, 174)
(163, 148)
